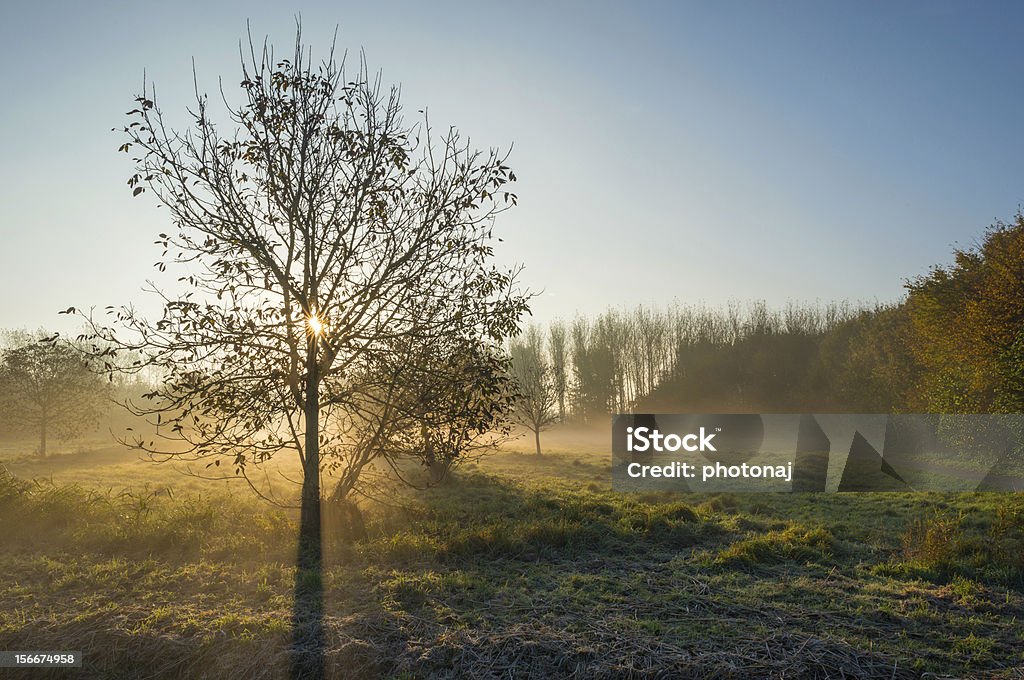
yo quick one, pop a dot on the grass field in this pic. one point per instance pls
(519, 566)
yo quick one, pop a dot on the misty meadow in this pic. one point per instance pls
(341, 429)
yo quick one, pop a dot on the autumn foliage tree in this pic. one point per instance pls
(968, 319)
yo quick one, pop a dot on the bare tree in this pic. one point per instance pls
(331, 255)
(559, 367)
(47, 386)
(535, 406)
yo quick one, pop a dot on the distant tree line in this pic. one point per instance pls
(677, 358)
(953, 344)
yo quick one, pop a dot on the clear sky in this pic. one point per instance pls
(699, 151)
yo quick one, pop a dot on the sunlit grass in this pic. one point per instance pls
(515, 552)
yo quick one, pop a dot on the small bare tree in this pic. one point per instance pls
(536, 403)
(47, 386)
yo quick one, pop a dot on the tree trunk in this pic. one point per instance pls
(310, 542)
(354, 520)
(536, 437)
(438, 471)
(307, 614)
(342, 518)
(42, 438)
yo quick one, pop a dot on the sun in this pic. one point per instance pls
(316, 326)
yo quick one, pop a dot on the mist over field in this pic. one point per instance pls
(516, 562)
(311, 366)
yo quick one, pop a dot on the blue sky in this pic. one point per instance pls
(698, 151)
